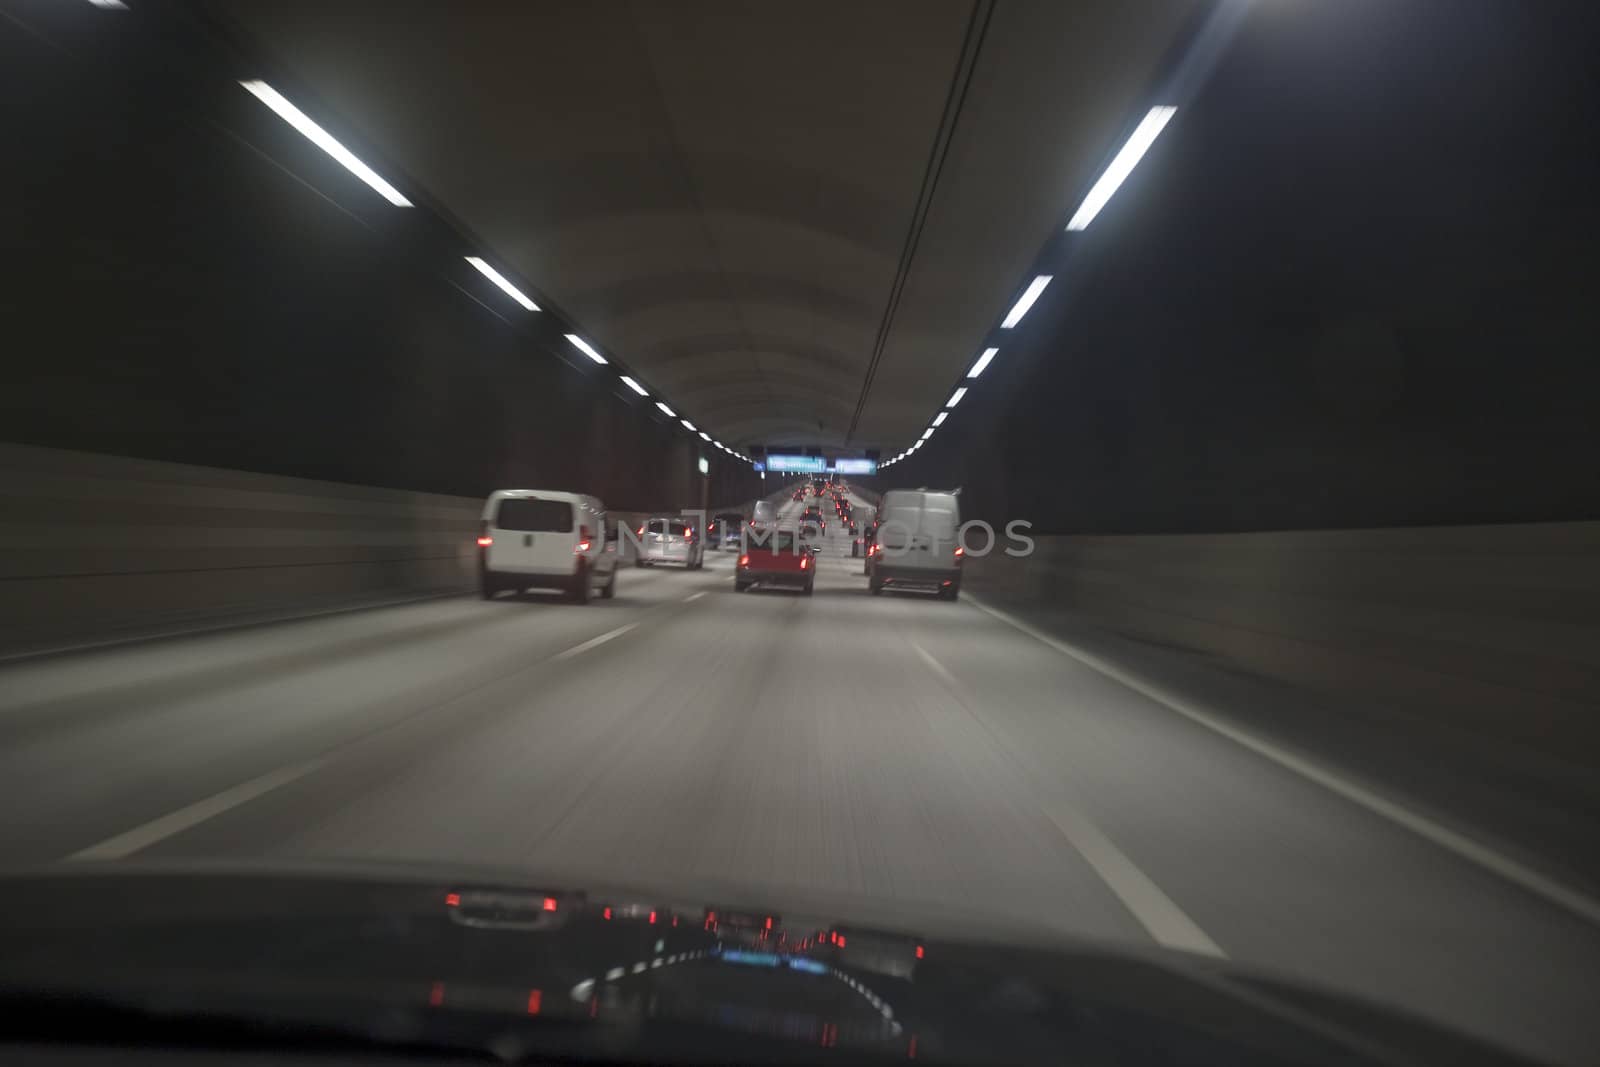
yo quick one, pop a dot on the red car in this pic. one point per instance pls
(775, 560)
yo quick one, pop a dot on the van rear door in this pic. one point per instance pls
(532, 535)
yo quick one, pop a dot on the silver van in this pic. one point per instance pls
(917, 545)
(540, 539)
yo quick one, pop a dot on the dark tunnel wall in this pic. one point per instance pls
(1353, 285)
(188, 280)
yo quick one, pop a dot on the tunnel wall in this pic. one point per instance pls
(1490, 630)
(189, 280)
(104, 547)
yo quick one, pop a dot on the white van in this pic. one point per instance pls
(537, 539)
(917, 545)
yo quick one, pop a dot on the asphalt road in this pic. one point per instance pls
(897, 749)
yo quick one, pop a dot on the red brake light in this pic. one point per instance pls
(535, 1001)
(769, 922)
(641, 531)
(744, 561)
(580, 548)
(485, 542)
(805, 561)
(452, 900)
(652, 918)
(919, 952)
(960, 552)
(841, 941)
(549, 903)
(606, 914)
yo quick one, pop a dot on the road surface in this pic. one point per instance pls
(898, 749)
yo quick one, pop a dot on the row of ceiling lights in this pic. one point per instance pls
(326, 141)
(1137, 144)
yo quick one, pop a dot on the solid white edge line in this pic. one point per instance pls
(1579, 904)
(141, 837)
(595, 642)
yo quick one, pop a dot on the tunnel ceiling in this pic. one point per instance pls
(721, 193)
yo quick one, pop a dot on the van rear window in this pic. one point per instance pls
(539, 516)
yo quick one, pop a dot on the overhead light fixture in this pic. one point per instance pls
(704, 436)
(635, 386)
(927, 433)
(499, 280)
(585, 347)
(983, 362)
(687, 425)
(938, 420)
(955, 397)
(666, 410)
(109, 5)
(318, 136)
(1025, 301)
(1139, 142)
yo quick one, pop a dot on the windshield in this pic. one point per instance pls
(529, 514)
(1058, 478)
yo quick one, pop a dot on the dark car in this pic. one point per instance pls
(155, 964)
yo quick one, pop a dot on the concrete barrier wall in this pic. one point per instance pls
(96, 547)
(1491, 629)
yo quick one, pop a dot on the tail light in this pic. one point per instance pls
(641, 531)
(606, 914)
(452, 900)
(550, 904)
(919, 952)
(688, 533)
(805, 561)
(652, 918)
(960, 552)
(744, 561)
(580, 548)
(485, 542)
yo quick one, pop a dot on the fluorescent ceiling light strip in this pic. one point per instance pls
(585, 347)
(109, 5)
(927, 433)
(955, 397)
(938, 420)
(704, 436)
(1025, 301)
(1139, 142)
(499, 280)
(983, 362)
(635, 386)
(666, 410)
(687, 425)
(323, 140)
